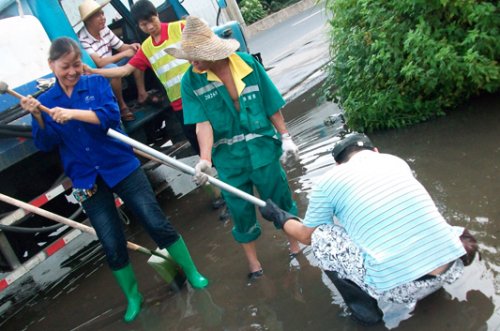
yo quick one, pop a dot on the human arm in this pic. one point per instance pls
(63, 115)
(290, 224)
(103, 57)
(194, 113)
(142, 93)
(33, 106)
(272, 104)
(205, 137)
(287, 144)
(134, 46)
(116, 72)
(44, 136)
(299, 231)
(279, 122)
(103, 61)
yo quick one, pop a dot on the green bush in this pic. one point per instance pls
(273, 6)
(400, 62)
(252, 11)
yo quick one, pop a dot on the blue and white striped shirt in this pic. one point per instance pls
(388, 214)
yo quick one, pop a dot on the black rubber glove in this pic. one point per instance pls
(275, 214)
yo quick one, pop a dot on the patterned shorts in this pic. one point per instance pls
(335, 251)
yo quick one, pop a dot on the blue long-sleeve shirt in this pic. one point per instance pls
(85, 149)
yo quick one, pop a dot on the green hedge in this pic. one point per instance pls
(252, 10)
(400, 62)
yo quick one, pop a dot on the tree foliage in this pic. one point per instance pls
(252, 11)
(400, 62)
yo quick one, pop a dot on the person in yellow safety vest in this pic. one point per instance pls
(167, 68)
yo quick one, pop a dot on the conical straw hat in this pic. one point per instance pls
(200, 43)
(89, 8)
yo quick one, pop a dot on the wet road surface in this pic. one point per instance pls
(455, 157)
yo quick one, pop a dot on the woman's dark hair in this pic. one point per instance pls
(143, 10)
(62, 46)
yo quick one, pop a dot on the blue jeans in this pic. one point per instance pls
(137, 194)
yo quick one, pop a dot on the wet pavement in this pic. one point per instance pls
(456, 157)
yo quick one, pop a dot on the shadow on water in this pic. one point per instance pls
(455, 157)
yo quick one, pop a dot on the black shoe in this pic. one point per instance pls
(224, 214)
(217, 203)
(255, 274)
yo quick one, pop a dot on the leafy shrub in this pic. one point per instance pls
(400, 62)
(252, 11)
(276, 5)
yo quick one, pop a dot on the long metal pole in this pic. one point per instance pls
(71, 223)
(164, 158)
(184, 167)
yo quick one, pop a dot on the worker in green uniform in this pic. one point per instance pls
(236, 109)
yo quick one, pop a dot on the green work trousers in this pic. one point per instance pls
(270, 182)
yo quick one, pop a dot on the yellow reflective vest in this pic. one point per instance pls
(167, 68)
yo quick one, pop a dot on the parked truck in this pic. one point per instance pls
(29, 251)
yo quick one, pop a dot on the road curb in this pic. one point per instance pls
(278, 17)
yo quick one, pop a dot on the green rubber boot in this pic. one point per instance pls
(126, 279)
(180, 254)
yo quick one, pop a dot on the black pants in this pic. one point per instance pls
(363, 307)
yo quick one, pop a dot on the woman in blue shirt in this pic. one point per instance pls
(82, 109)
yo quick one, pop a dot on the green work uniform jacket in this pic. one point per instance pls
(244, 139)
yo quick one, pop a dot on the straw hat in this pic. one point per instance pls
(89, 8)
(200, 43)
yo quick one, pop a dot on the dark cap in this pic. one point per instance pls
(351, 139)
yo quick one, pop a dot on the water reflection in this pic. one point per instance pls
(457, 160)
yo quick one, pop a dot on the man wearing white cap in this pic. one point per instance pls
(99, 41)
(236, 109)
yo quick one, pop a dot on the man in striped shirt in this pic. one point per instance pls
(376, 232)
(99, 42)
(150, 54)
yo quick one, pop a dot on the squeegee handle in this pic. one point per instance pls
(19, 96)
(167, 159)
(67, 221)
(184, 167)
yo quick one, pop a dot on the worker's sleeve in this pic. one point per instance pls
(140, 61)
(107, 111)
(45, 139)
(193, 108)
(273, 101)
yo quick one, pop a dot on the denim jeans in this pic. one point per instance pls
(137, 194)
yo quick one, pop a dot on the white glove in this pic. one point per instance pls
(201, 170)
(289, 148)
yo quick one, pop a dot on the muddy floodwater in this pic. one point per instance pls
(456, 157)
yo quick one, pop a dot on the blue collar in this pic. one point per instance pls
(81, 85)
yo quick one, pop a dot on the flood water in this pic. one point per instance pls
(456, 157)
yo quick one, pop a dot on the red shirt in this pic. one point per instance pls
(141, 62)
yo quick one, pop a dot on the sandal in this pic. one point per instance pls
(127, 115)
(152, 99)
